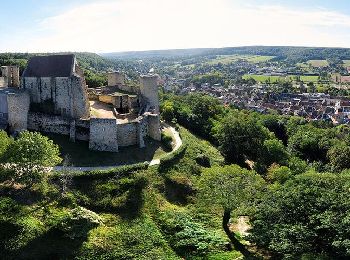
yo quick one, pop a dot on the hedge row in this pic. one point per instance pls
(119, 171)
(168, 160)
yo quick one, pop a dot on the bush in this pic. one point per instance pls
(187, 237)
(167, 161)
(120, 171)
(5, 142)
(34, 149)
(8, 208)
(78, 223)
(25, 174)
(167, 141)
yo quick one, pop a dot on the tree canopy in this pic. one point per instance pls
(33, 148)
(308, 214)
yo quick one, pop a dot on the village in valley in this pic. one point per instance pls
(314, 89)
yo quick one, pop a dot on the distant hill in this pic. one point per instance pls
(280, 52)
(157, 53)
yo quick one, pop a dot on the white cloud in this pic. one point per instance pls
(121, 25)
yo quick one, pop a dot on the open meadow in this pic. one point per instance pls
(275, 79)
(227, 59)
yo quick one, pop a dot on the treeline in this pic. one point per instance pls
(263, 139)
(296, 54)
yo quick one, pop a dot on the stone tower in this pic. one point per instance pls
(115, 78)
(149, 91)
(10, 76)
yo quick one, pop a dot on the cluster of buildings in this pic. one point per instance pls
(52, 96)
(313, 106)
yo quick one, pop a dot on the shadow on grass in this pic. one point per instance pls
(119, 196)
(23, 196)
(51, 245)
(178, 190)
(79, 154)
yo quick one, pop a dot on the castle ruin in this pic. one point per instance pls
(53, 97)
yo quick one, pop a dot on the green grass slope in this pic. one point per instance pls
(148, 213)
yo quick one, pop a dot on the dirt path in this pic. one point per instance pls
(241, 226)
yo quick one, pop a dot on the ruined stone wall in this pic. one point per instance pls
(149, 91)
(117, 101)
(103, 135)
(108, 99)
(154, 127)
(62, 96)
(82, 129)
(142, 131)
(81, 104)
(127, 134)
(18, 107)
(59, 125)
(125, 101)
(48, 123)
(133, 101)
(129, 88)
(67, 96)
(3, 82)
(11, 75)
(115, 78)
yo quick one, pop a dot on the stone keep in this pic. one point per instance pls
(56, 86)
(10, 77)
(149, 91)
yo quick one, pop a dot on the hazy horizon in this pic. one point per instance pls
(104, 26)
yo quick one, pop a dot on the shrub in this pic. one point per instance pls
(8, 208)
(186, 236)
(78, 223)
(5, 142)
(34, 149)
(120, 171)
(167, 141)
(26, 174)
(169, 159)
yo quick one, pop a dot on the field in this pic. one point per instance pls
(318, 63)
(346, 63)
(227, 59)
(275, 79)
(310, 64)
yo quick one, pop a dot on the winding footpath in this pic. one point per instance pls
(176, 139)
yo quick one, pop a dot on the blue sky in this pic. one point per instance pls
(121, 25)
